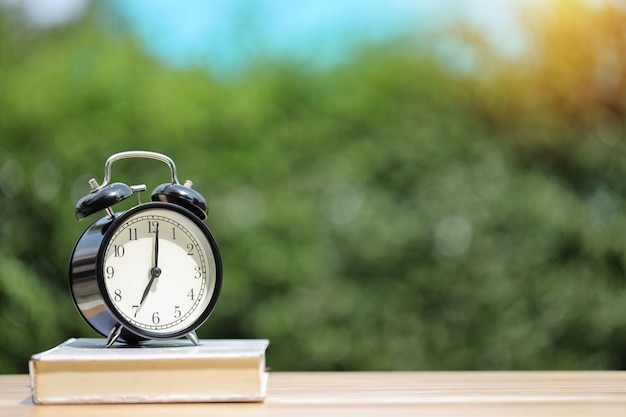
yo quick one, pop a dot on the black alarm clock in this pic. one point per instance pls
(150, 272)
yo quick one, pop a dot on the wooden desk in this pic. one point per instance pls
(384, 394)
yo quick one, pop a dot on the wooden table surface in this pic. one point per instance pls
(597, 394)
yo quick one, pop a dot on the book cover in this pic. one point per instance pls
(85, 371)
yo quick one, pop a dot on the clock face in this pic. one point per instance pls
(159, 271)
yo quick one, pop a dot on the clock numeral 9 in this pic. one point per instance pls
(110, 272)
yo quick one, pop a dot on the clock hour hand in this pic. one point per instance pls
(147, 290)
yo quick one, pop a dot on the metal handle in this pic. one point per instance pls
(132, 154)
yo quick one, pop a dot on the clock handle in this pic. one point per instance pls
(104, 195)
(136, 154)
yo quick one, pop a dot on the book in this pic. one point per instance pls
(85, 371)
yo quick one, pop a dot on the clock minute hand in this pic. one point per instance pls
(156, 249)
(155, 271)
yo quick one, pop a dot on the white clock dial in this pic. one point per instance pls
(159, 271)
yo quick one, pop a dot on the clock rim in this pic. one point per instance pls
(100, 279)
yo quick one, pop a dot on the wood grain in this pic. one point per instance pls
(384, 394)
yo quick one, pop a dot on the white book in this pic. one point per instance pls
(85, 371)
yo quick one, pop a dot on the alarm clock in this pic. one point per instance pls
(150, 272)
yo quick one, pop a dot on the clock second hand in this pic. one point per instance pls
(155, 271)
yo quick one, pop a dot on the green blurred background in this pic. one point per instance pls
(392, 210)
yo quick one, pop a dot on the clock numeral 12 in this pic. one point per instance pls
(153, 227)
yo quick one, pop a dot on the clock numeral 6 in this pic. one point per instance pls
(155, 318)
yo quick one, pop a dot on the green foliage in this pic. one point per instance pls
(380, 215)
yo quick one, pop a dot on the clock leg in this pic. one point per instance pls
(193, 337)
(114, 334)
